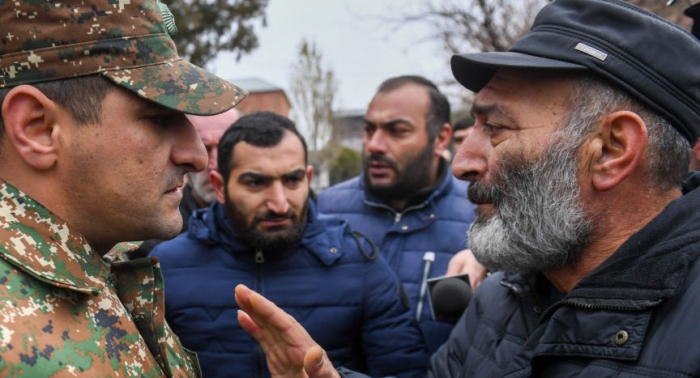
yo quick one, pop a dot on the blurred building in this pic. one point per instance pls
(348, 128)
(263, 96)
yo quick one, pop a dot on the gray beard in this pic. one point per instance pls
(539, 223)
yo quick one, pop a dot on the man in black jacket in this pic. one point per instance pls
(581, 143)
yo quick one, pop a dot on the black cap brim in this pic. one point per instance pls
(475, 70)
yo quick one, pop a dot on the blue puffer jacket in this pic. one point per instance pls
(351, 305)
(636, 315)
(438, 224)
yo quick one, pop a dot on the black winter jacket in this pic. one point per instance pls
(349, 301)
(636, 315)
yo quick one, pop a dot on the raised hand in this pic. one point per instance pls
(289, 349)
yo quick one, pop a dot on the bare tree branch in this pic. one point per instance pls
(313, 88)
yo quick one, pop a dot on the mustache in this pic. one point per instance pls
(271, 215)
(379, 158)
(479, 192)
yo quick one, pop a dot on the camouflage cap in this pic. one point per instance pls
(126, 41)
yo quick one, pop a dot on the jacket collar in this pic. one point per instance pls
(38, 242)
(652, 263)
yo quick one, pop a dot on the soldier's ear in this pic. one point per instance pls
(31, 127)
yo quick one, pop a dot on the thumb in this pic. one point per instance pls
(317, 364)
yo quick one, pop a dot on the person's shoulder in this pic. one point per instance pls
(342, 197)
(180, 247)
(452, 201)
(350, 184)
(454, 187)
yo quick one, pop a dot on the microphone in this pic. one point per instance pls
(428, 258)
(449, 296)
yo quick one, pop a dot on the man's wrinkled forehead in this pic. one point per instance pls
(505, 80)
(487, 103)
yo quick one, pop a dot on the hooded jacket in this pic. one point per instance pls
(635, 315)
(331, 282)
(438, 224)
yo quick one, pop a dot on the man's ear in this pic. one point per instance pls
(309, 172)
(31, 125)
(442, 140)
(618, 149)
(217, 181)
(696, 156)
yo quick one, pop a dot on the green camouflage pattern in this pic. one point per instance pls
(66, 312)
(127, 41)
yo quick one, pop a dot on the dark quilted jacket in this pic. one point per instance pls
(636, 315)
(439, 224)
(350, 304)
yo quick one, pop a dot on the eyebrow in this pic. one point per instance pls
(254, 176)
(491, 109)
(386, 124)
(295, 174)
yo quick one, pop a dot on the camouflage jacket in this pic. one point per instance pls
(65, 311)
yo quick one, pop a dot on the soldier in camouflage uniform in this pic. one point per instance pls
(93, 149)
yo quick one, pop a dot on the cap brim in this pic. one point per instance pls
(180, 85)
(475, 70)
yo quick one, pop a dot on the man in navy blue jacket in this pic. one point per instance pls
(406, 200)
(263, 231)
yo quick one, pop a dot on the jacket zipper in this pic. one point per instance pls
(526, 303)
(259, 260)
(397, 215)
(259, 355)
(585, 306)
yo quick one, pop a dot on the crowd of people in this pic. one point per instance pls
(569, 184)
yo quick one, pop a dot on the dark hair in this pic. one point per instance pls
(81, 96)
(439, 113)
(464, 122)
(262, 129)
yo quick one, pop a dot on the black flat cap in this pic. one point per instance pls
(655, 61)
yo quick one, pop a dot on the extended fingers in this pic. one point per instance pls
(247, 323)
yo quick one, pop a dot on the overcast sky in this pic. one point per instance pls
(362, 50)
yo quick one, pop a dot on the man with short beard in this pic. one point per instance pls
(406, 199)
(263, 231)
(576, 161)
